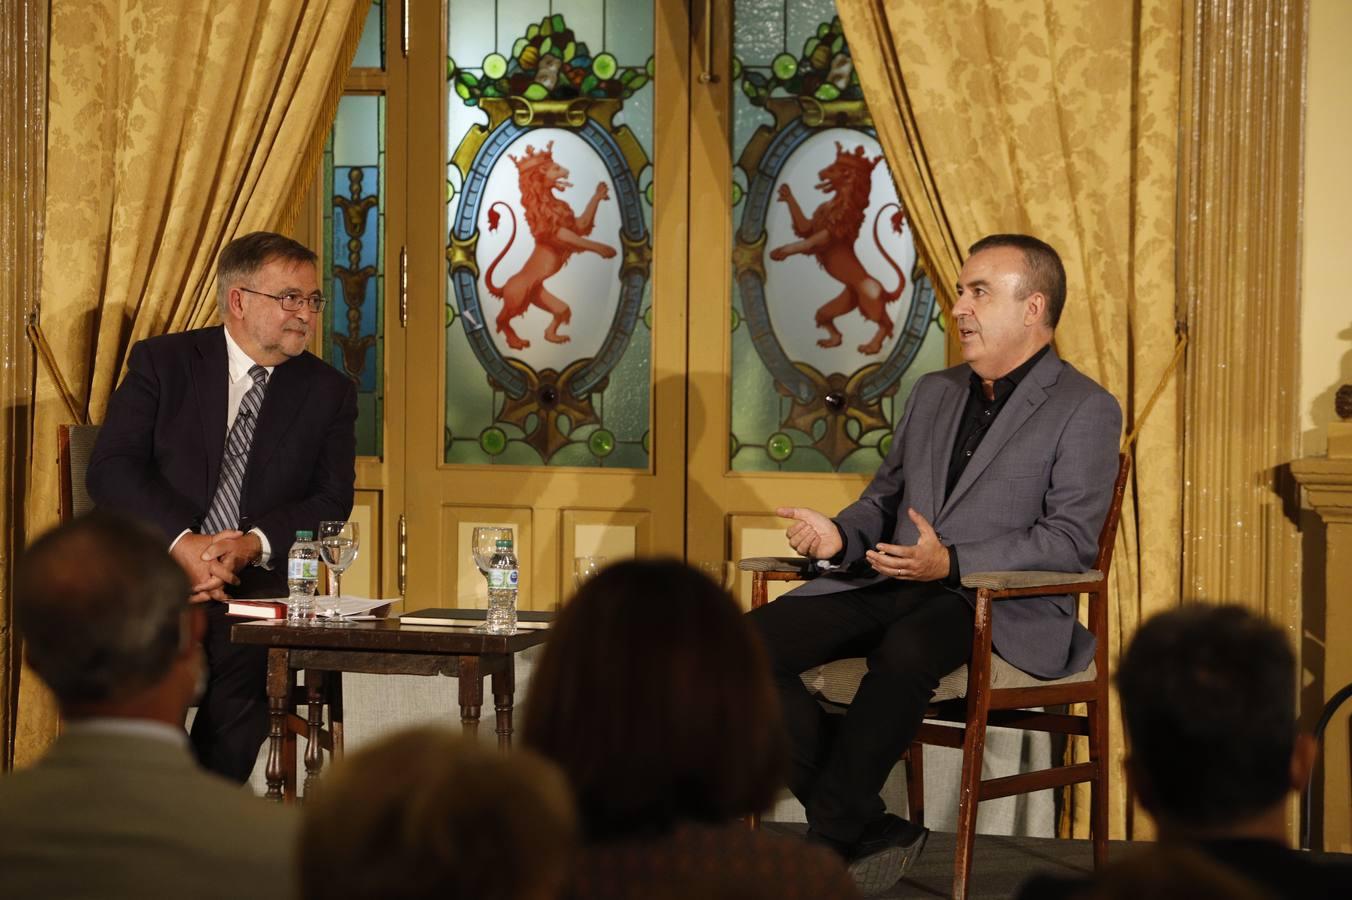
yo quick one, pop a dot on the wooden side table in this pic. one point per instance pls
(382, 647)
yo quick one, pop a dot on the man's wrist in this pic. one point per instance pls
(264, 554)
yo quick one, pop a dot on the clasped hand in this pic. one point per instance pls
(212, 561)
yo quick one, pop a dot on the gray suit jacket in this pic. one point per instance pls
(114, 816)
(1033, 497)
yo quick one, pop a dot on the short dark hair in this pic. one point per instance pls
(654, 695)
(1208, 698)
(101, 606)
(1042, 269)
(428, 813)
(245, 255)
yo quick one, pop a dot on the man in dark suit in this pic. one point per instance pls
(1214, 754)
(1004, 462)
(118, 807)
(230, 439)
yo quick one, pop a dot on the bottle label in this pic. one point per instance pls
(502, 579)
(299, 567)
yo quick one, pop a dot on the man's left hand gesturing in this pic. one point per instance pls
(926, 560)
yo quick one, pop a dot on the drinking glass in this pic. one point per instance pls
(722, 573)
(338, 542)
(584, 567)
(485, 542)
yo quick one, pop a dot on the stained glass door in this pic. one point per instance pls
(659, 282)
(547, 287)
(813, 330)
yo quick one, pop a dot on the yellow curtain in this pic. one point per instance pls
(1059, 120)
(173, 126)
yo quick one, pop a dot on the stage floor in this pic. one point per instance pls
(1001, 863)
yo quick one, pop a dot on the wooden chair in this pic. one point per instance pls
(74, 445)
(990, 691)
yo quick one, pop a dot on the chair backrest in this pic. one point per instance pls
(1108, 534)
(74, 443)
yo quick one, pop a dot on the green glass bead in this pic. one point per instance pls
(492, 441)
(601, 442)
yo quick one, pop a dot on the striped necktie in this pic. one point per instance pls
(224, 510)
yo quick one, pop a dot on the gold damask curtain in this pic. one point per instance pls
(1059, 120)
(173, 126)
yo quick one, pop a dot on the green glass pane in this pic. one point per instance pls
(371, 47)
(828, 336)
(557, 357)
(354, 253)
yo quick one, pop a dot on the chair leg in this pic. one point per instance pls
(969, 799)
(915, 783)
(1098, 788)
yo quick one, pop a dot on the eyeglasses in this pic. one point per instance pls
(292, 301)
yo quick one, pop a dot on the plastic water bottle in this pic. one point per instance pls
(302, 579)
(502, 588)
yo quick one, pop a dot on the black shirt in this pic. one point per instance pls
(977, 417)
(979, 414)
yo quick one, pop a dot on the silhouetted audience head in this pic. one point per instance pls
(654, 696)
(1169, 873)
(1208, 697)
(426, 814)
(103, 611)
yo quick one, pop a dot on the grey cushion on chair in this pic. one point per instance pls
(836, 682)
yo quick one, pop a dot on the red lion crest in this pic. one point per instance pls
(558, 234)
(830, 235)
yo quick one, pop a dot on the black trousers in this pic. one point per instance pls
(232, 715)
(912, 634)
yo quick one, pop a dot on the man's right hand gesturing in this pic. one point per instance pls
(811, 534)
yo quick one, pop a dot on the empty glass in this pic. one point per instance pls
(338, 543)
(484, 541)
(721, 573)
(584, 567)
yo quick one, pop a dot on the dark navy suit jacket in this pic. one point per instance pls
(158, 454)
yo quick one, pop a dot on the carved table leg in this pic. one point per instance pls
(504, 690)
(471, 694)
(314, 721)
(333, 685)
(278, 698)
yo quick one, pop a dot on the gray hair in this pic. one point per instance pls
(101, 606)
(245, 255)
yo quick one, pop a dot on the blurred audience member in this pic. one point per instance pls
(1208, 698)
(426, 815)
(118, 806)
(1169, 873)
(654, 696)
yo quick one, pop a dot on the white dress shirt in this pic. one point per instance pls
(239, 364)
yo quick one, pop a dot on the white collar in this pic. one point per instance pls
(240, 362)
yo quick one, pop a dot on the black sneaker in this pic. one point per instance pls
(843, 849)
(885, 852)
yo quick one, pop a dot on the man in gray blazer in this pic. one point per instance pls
(118, 807)
(1004, 462)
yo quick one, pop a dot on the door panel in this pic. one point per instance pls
(813, 331)
(550, 395)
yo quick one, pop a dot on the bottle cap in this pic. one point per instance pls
(505, 545)
(305, 535)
